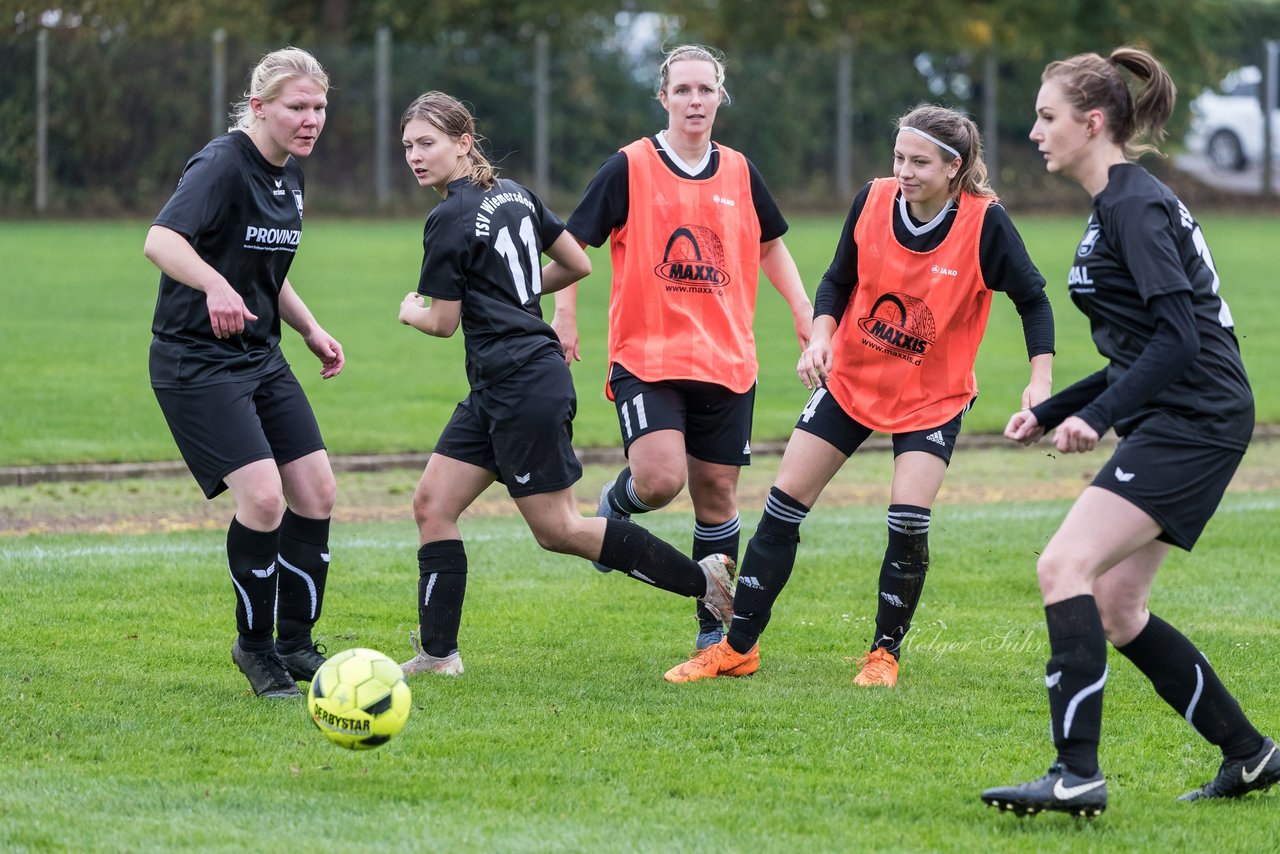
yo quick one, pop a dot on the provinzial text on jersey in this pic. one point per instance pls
(272, 239)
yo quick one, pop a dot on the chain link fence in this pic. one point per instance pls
(123, 116)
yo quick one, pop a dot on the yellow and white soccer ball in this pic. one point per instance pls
(359, 699)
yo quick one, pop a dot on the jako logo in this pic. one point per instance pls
(943, 271)
(694, 256)
(901, 325)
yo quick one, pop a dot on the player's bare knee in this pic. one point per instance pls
(658, 489)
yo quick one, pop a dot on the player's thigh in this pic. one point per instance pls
(718, 423)
(529, 416)
(217, 430)
(808, 465)
(309, 485)
(448, 487)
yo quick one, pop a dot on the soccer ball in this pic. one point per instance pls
(359, 699)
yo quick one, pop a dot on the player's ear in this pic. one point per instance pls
(464, 144)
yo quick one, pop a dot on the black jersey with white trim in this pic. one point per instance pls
(1140, 243)
(1002, 257)
(243, 216)
(483, 248)
(606, 201)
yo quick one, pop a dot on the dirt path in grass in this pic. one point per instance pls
(980, 472)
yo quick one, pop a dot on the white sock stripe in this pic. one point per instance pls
(311, 584)
(909, 530)
(1195, 698)
(716, 532)
(631, 494)
(1081, 695)
(782, 512)
(244, 597)
(426, 597)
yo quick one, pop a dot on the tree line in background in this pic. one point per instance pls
(129, 82)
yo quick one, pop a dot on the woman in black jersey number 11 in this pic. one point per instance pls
(481, 268)
(1175, 391)
(224, 243)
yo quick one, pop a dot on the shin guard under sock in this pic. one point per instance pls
(303, 568)
(251, 558)
(442, 585)
(1075, 676)
(1184, 679)
(771, 555)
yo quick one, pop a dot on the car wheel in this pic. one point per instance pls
(1225, 151)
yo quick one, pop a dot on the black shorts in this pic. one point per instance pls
(825, 418)
(715, 421)
(1174, 479)
(520, 428)
(224, 427)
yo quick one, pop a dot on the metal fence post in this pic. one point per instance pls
(382, 118)
(42, 121)
(991, 114)
(1269, 101)
(844, 118)
(541, 113)
(218, 83)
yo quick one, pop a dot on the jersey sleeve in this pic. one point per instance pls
(1007, 267)
(836, 287)
(199, 204)
(444, 259)
(772, 224)
(1146, 241)
(550, 226)
(604, 203)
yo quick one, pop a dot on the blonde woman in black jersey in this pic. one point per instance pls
(1175, 392)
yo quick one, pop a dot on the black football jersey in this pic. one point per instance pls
(1141, 242)
(243, 216)
(483, 248)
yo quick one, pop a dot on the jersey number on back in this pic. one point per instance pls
(1224, 313)
(507, 249)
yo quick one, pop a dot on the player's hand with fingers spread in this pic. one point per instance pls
(1075, 436)
(815, 362)
(227, 311)
(1024, 428)
(412, 303)
(328, 351)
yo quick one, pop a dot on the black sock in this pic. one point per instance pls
(442, 584)
(631, 549)
(709, 540)
(906, 560)
(251, 557)
(304, 569)
(623, 495)
(771, 555)
(1075, 676)
(1184, 679)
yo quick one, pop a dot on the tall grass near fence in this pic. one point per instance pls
(76, 300)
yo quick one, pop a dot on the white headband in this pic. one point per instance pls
(932, 139)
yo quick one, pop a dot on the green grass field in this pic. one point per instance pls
(125, 726)
(77, 300)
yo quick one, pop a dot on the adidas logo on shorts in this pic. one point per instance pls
(936, 438)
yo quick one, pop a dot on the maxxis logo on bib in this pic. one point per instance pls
(693, 262)
(900, 325)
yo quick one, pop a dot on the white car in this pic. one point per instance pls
(1227, 128)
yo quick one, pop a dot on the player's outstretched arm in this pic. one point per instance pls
(294, 312)
(780, 269)
(178, 259)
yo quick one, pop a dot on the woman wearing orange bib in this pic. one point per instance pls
(690, 225)
(897, 322)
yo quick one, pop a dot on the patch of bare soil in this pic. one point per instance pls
(978, 475)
